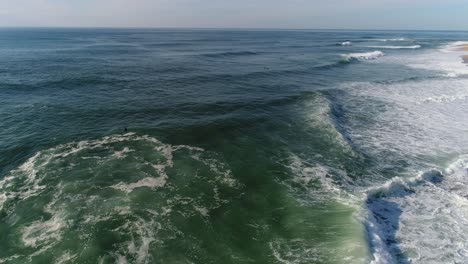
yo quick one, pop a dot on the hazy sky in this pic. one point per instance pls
(312, 14)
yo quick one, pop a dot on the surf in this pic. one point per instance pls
(365, 56)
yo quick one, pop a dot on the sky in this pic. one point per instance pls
(275, 14)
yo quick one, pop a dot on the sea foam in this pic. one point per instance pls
(97, 191)
(396, 47)
(401, 210)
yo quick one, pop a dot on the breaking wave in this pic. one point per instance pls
(396, 47)
(363, 56)
(393, 39)
(421, 219)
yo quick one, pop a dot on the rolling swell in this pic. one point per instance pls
(231, 54)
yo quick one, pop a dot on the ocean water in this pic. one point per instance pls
(242, 146)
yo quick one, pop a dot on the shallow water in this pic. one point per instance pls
(242, 146)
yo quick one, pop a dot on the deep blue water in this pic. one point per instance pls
(242, 146)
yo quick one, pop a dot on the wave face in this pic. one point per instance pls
(244, 146)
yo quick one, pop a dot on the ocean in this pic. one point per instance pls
(233, 146)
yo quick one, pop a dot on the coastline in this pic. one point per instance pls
(464, 47)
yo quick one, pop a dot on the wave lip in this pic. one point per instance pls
(346, 43)
(396, 47)
(365, 56)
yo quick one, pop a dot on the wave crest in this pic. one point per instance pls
(363, 56)
(395, 47)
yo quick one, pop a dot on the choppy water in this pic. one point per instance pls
(242, 146)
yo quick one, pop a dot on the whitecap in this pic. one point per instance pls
(393, 39)
(395, 47)
(363, 56)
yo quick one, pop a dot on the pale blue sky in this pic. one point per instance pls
(309, 14)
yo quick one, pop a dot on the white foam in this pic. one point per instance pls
(445, 98)
(425, 218)
(294, 251)
(393, 39)
(322, 183)
(42, 235)
(3, 199)
(65, 258)
(363, 56)
(454, 46)
(146, 233)
(395, 47)
(202, 210)
(43, 232)
(445, 61)
(414, 117)
(9, 259)
(346, 43)
(121, 154)
(148, 182)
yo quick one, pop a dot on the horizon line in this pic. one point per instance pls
(228, 28)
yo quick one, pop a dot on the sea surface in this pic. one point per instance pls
(242, 146)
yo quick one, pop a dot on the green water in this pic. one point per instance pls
(242, 147)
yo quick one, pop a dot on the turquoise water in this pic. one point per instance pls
(241, 146)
